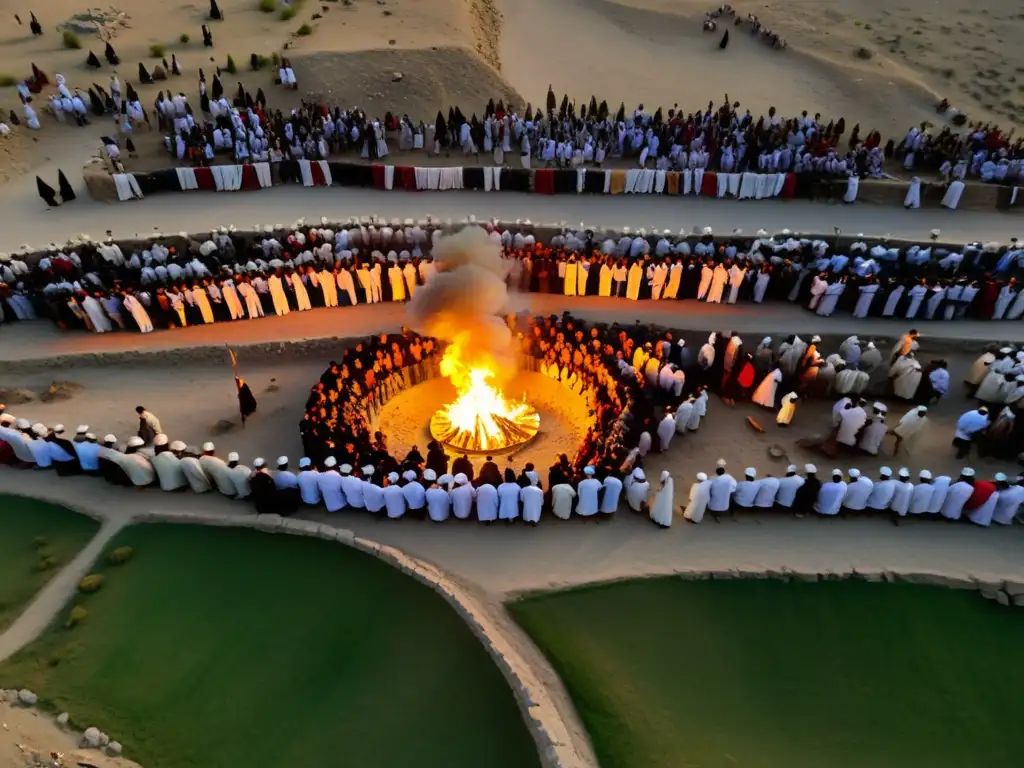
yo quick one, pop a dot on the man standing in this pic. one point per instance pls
(968, 427)
(149, 425)
(589, 491)
(850, 422)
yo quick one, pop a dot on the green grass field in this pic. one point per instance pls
(764, 674)
(221, 648)
(30, 532)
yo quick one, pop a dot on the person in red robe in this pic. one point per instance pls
(986, 302)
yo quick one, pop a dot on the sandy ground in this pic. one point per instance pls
(29, 736)
(27, 221)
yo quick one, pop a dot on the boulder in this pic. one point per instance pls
(991, 594)
(104, 739)
(62, 718)
(91, 737)
(1002, 598)
(114, 748)
(27, 698)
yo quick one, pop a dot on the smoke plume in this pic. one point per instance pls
(463, 305)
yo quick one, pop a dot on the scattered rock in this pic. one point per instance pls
(391, 42)
(114, 748)
(16, 395)
(991, 594)
(91, 737)
(104, 739)
(26, 697)
(386, 13)
(60, 390)
(1002, 598)
(221, 427)
(396, 77)
(864, 53)
(63, 718)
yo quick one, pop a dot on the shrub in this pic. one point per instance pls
(158, 50)
(305, 30)
(8, 81)
(120, 556)
(864, 53)
(77, 616)
(71, 40)
(288, 13)
(91, 583)
(268, 6)
(183, 38)
(46, 563)
(275, 58)
(230, 66)
(39, 542)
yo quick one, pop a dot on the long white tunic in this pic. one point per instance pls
(588, 492)
(661, 510)
(765, 393)
(700, 494)
(956, 497)
(722, 488)
(830, 498)
(532, 499)
(561, 500)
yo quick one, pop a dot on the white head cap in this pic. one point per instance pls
(810, 469)
(701, 477)
(58, 429)
(885, 472)
(304, 462)
(429, 475)
(837, 474)
(135, 442)
(330, 461)
(83, 428)
(39, 429)
(589, 470)
(110, 439)
(638, 474)
(177, 445)
(720, 463)
(791, 468)
(368, 470)
(925, 475)
(346, 469)
(1000, 477)
(282, 460)
(967, 472)
(233, 457)
(158, 440)
(258, 463)
(854, 473)
(905, 473)
(461, 479)
(22, 424)
(750, 472)
(207, 447)
(392, 477)
(410, 475)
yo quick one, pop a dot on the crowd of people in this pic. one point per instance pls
(230, 276)
(644, 389)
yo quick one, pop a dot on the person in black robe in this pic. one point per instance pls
(215, 11)
(806, 495)
(246, 400)
(437, 459)
(207, 37)
(594, 278)
(144, 77)
(725, 40)
(96, 104)
(260, 98)
(489, 474)
(111, 55)
(34, 25)
(67, 194)
(93, 61)
(46, 192)
(463, 465)
(263, 493)
(175, 66)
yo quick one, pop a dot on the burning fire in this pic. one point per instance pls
(480, 418)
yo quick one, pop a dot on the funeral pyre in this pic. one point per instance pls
(463, 304)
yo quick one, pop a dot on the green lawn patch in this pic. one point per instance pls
(223, 648)
(36, 540)
(766, 674)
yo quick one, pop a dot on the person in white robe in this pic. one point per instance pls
(197, 478)
(532, 499)
(700, 410)
(637, 489)
(666, 430)
(767, 390)
(99, 319)
(253, 307)
(278, 296)
(830, 299)
(905, 375)
(761, 285)
(301, 296)
(851, 420)
(683, 414)
(719, 279)
(562, 497)
(958, 494)
(700, 494)
(873, 433)
(736, 275)
(397, 280)
(635, 276)
(831, 495)
(979, 368)
(867, 295)
(1010, 499)
(917, 294)
(217, 471)
(166, 463)
(588, 493)
(234, 304)
(675, 274)
(570, 282)
(722, 488)
(348, 285)
(661, 510)
(706, 276)
(138, 313)
(409, 273)
(913, 197)
(606, 277)
(658, 281)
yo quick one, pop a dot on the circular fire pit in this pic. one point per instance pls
(487, 432)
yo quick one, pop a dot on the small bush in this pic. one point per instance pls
(46, 563)
(230, 66)
(864, 53)
(8, 81)
(77, 616)
(305, 30)
(288, 13)
(275, 58)
(91, 583)
(39, 542)
(158, 50)
(71, 40)
(120, 556)
(268, 6)
(183, 38)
